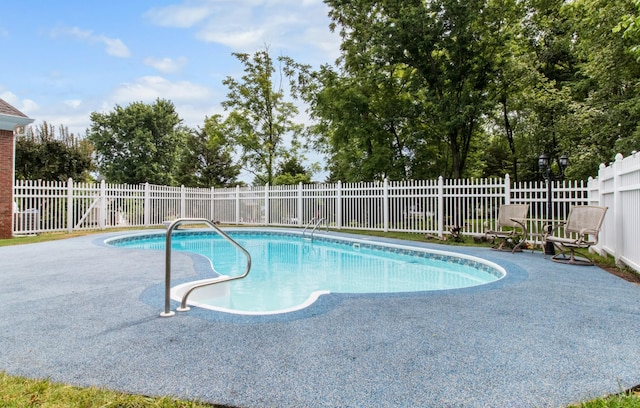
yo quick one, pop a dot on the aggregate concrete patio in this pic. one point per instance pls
(79, 312)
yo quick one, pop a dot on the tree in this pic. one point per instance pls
(369, 122)
(610, 85)
(261, 118)
(291, 171)
(452, 47)
(207, 158)
(138, 143)
(43, 155)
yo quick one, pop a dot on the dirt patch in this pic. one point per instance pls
(623, 273)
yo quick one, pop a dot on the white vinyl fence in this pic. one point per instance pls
(429, 206)
(419, 206)
(618, 187)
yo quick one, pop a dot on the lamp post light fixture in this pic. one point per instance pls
(545, 168)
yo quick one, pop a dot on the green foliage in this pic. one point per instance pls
(291, 171)
(609, 92)
(41, 155)
(479, 88)
(629, 26)
(422, 88)
(138, 143)
(207, 158)
(261, 119)
(420, 73)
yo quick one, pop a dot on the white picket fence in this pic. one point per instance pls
(423, 206)
(419, 206)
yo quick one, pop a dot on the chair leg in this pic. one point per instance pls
(572, 260)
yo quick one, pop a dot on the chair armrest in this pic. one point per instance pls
(550, 227)
(523, 225)
(585, 232)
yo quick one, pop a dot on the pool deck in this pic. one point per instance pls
(547, 335)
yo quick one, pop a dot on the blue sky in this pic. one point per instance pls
(66, 59)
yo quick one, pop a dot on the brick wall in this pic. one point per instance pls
(6, 183)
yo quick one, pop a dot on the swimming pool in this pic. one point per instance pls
(290, 272)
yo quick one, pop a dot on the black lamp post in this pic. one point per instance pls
(547, 173)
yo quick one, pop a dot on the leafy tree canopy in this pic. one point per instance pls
(207, 158)
(43, 155)
(138, 143)
(261, 119)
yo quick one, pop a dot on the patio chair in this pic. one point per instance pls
(511, 227)
(581, 230)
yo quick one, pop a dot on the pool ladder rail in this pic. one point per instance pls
(317, 222)
(167, 288)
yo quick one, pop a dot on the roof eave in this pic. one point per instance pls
(10, 122)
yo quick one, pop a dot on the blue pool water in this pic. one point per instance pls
(289, 272)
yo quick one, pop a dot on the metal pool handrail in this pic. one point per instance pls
(167, 287)
(319, 220)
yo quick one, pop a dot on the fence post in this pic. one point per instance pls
(507, 189)
(440, 206)
(266, 204)
(183, 201)
(385, 205)
(617, 208)
(70, 209)
(339, 205)
(211, 208)
(102, 222)
(237, 205)
(147, 204)
(300, 207)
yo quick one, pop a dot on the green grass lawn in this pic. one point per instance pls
(18, 392)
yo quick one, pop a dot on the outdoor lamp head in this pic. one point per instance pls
(564, 162)
(543, 162)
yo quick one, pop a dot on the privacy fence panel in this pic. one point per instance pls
(618, 187)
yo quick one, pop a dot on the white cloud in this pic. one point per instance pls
(114, 46)
(74, 103)
(149, 88)
(182, 16)
(9, 97)
(166, 65)
(233, 37)
(247, 25)
(26, 106)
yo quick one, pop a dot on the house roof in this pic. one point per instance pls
(11, 117)
(6, 109)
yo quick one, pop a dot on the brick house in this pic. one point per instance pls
(10, 119)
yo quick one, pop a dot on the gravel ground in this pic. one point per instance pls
(79, 312)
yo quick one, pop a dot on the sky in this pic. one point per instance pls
(65, 59)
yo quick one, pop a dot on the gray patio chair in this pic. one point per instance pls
(511, 227)
(581, 230)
